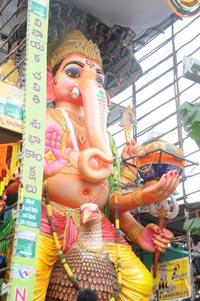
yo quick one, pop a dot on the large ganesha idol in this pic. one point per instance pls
(79, 169)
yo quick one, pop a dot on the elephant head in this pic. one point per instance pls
(76, 85)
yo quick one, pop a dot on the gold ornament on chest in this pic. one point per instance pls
(77, 122)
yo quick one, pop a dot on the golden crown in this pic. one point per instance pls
(74, 41)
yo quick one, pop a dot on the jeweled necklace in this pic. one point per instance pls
(77, 119)
(77, 122)
(97, 253)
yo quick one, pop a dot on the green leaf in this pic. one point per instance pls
(192, 225)
(190, 117)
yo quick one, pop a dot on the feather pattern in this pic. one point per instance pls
(88, 260)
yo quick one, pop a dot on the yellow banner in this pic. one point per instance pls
(172, 281)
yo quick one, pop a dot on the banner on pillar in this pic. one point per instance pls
(172, 281)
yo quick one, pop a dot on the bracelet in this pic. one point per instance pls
(134, 231)
(137, 197)
(128, 173)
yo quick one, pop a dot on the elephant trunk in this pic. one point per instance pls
(94, 165)
(95, 115)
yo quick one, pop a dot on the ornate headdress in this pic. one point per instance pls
(74, 41)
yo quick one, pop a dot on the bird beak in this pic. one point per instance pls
(87, 215)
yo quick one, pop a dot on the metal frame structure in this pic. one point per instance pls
(156, 97)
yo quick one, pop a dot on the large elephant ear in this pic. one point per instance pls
(50, 95)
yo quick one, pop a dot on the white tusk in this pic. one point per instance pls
(75, 93)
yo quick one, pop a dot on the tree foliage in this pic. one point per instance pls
(190, 117)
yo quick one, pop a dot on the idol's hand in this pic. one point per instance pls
(153, 192)
(130, 150)
(160, 190)
(152, 238)
(54, 158)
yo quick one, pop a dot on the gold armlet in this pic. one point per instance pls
(137, 197)
(134, 231)
(128, 173)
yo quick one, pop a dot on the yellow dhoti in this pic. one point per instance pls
(47, 255)
(137, 281)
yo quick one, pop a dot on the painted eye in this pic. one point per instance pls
(72, 72)
(100, 80)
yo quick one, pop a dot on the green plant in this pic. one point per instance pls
(190, 117)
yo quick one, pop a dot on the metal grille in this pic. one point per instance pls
(156, 98)
(13, 41)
